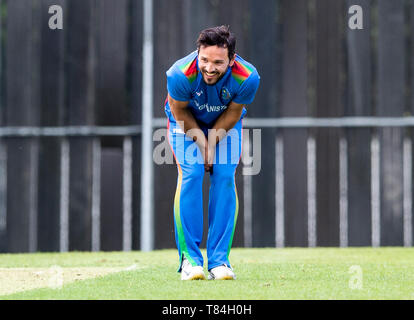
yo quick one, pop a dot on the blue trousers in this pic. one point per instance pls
(223, 203)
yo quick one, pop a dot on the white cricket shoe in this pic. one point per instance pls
(221, 273)
(188, 272)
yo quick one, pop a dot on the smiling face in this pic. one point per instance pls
(213, 62)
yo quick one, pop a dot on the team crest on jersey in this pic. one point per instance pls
(225, 94)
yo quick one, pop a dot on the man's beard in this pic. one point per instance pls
(214, 80)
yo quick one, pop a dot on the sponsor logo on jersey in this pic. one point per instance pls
(199, 93)
(225, 94)
(211, 108)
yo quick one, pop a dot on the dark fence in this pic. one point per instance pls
(319, 185)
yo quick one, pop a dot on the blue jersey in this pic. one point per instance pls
(207, 102)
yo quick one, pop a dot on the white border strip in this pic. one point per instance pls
(127, 195)
(74, 131)
(64, 195)
(407, 194)
(311, 164)
(279, 193)
(34, 174)
(147, 203)
(96, 194)
(343, 192)
(375, 192)
(285, 122)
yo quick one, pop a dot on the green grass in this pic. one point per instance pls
(291, 273)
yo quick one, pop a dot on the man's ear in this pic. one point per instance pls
(232, 60)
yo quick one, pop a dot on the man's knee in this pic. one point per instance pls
(193, 172)
(223, 172)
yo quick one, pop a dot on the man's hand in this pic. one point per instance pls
(204, 148)
(207, 146)
(189, 125)
(209, 159)
(224, 123)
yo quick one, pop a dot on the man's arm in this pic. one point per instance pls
(182, 114)
(188, 124)
(226, 121)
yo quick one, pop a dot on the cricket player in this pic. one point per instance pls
(207, 94)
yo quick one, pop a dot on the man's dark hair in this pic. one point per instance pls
(218, 36)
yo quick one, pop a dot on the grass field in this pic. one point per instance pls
(291, 273)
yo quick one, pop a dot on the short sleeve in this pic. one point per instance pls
(178, 86)
(248, 89)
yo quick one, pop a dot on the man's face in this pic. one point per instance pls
(213, 62)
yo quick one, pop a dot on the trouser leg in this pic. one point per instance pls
(223, 200)
(188, 200)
